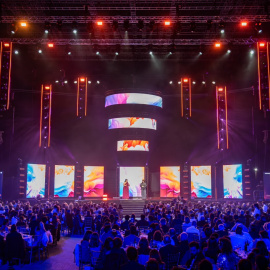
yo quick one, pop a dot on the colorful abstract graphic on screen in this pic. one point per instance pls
(170, 181)
(133, 98)
(93, 181)
(134, 176)
(64, 181)
(133, 145)
(132, 122)
(35, 180)
(201, 182)
(232, 181)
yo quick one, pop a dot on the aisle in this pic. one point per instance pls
(61, 257)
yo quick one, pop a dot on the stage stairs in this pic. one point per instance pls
(133, 207)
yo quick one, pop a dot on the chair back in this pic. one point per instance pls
(143, 259)
(94, 255)
(193, 237)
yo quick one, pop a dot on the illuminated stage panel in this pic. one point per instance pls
(232, 181)
(64, 181)
(134, 176)
(201, 182)
(133, 98)
(132, 122)
(133, 145)
(35, 180)
(170, 181)
(93, 181)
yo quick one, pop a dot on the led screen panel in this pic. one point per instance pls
(170, 181)
(93, 181)
(201, 182)
(134, 176)
(232, 181)
(64, 181)
(133, 145)
(132, 122)
(133, 98)
(35, 180)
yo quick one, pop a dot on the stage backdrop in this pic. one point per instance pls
(201, 186)
(232, 181)
(134, 176)
(93, 181)
(132, 122)
(35, 180)
(132, 145)
(170, 181)
(266, 185)
(64, 181)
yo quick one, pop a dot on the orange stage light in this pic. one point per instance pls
(167, 23)
(220, 89)
(6, 44)
(47, 87)
(50, 45)
(262, 44)
(244, 23)
(23, 24)
(185, 80)
(217, 45)
(82, 79)
(99, 23)
(105, 197)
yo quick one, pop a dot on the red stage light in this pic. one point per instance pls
(47, 87)
(167, 23)
(50, 45)
(244, 23)
(6, 44)
(262, 44)
(185, 80)
(220, 89)
(82, 79)
(23, 24)
(217, 44)
(99, 23)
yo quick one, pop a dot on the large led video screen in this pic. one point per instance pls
(170, 181)
(133, 98)
(132, 122)
(201, 186)
(93, 181)
(64, 181)
(133, 145)
(134, 176)
(232, 181)
(35, 180)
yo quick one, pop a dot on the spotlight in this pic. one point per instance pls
(262, 44)
(14, 28)
(6, 45)
(167, 23)
(185, 80)
(99, 23)
(115, 25)
(203, 82)
(193, 82)
(220, 89)
(82, 79)
(140, 25)
(222, 27)
(255, 169)
(97, 53)
(56, 81)
(65, 82)
(251, 52)
(217, 45)
(244, 23)
(23, 24)
(200, 53)
(16, 52)
(213, 82)
(47, 27)
(258, 27)
(75, 82)
(229, 51)
(89, 82)
(98, 82)
(116, 53)
(69, 53)
(50, 45)
(126, 25)
(39, 51)
(222, 31)
(179, 82)
(74, 31)
(171, 82)
(150, 52)
(75, 27)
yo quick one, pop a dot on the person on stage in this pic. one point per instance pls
(126, 189)
(143, 186)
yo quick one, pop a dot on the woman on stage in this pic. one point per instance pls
(126, 190)
(143, 186)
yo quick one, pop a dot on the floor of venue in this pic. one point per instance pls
(60, 257)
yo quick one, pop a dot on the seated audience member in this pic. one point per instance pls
(192, 229)
(157, 240)
(196, 256)
(261, 263)
(105, 250)
(253, 232)
(125, 224)
(251, 257)
(205, 265)
(241, 239)
(45, 237)
(152, 264)
(116, 257)
(21, 222)
(177, 223)
(265, 238)
(95, 244)
(154, 254)
(183, 248)
(132, 264)
(167, 249)
(143, 248)
(2, 249)
(186, 224)
(221, 230)
(262, 249)
(227, 259)
(201, 222)
(15, 247)
(211, 251)
(244, 264)
(163, 226)
(173, 236)
(132, 239)
(142, 222)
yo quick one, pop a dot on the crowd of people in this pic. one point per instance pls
(168, 235)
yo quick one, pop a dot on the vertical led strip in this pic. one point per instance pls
(259, 75)
(185, 80)
(226, 111)
(268, 66)
(217, 116)
(182, 99)
(9, 75)
(82, 81)
(189, 97)
(41, 115)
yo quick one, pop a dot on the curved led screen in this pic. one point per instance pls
(132, 122)
(64, 181)
(93, 181)
(170, 181)
(133, 98)
(232, 181)
(35, 180)
(201, 186)
(133, 145)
